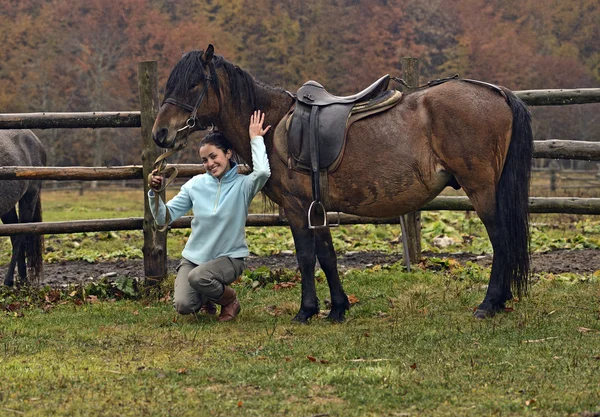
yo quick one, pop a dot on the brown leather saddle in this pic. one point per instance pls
(312, 136)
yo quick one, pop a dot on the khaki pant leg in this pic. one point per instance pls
(186, 299)
(210, 278)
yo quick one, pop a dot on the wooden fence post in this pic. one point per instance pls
(412, 221)
(155, 242)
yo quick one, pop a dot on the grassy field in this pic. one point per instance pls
(409, 347)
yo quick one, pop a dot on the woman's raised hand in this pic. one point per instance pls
(256, 121)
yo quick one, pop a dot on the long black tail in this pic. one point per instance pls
(34, 247)
(512, 201)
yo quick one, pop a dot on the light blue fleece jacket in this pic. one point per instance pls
(220, 208)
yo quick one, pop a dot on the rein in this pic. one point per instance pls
(169, 173)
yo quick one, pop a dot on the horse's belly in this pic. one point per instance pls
(386, 196)
(12, 191)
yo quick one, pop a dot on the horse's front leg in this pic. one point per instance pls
(328, 262)
(304, 241)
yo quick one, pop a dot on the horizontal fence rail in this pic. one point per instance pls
(554, 149)
(557, 97)
(127, 172)
(70, 120)
(536, 205)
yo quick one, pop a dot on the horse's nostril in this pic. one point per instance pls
(160, 135)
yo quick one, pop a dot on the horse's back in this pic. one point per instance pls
(400, 159)
(21, 148)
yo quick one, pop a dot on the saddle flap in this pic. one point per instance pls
(330, 130)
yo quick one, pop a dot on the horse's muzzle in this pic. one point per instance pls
(160, 138)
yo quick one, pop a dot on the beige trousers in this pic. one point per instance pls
(195, 284)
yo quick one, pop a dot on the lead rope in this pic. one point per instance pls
(169, 173)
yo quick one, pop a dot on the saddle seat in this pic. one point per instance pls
(314, 94)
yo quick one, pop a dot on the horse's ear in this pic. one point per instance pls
(208, 54)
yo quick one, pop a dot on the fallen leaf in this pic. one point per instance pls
(240, 403)
(92, 299)
(324, 361)
(584, 330)
(353, 299)
(312, 358)
(530, 402)
(413, 366)
(182, 371)
(14, 307)
(53, 296)
(136, 313)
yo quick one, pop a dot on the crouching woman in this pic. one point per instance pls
(214, 254)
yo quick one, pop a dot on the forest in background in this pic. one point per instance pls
(82, 55)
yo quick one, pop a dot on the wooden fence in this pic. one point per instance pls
(155, 242)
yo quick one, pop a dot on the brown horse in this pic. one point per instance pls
(458, 133)
(22, 148)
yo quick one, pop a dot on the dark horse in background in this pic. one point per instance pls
(22, 148)
(473, 135)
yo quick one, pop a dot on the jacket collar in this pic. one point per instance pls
(229, 175)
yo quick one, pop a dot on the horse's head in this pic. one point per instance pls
(192, 99)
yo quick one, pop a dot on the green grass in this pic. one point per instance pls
(409, 347)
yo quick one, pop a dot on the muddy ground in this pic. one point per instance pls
(559, 261)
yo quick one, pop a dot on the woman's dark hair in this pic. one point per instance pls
(216, 139)
(219, 140)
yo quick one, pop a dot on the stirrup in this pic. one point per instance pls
(311, 210)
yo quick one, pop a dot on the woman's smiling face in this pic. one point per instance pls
(215, 160)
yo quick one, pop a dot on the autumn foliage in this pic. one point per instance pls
(82, 55)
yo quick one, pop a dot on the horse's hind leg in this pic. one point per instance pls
(18, 251)
(498, 291)
(30, 210)
(304, 241)
(328, 262)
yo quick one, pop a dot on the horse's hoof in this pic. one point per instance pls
(337, 316)
(483, 314)
(303, 317)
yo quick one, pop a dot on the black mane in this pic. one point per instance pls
(189, 72)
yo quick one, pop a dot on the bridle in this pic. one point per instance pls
(191, 121)
(169, 173)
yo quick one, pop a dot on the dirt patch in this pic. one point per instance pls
(559, 261)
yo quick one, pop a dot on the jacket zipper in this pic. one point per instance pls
(217, 198)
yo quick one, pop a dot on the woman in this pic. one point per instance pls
(214, 254)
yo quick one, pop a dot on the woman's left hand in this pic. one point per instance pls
(256, 121)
